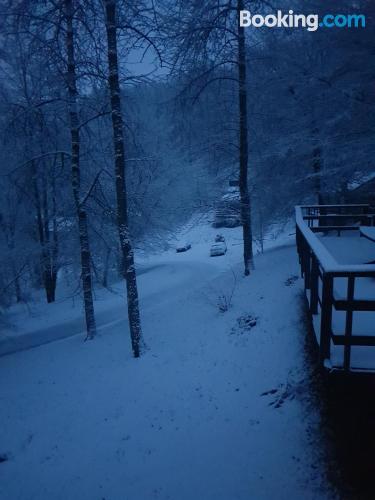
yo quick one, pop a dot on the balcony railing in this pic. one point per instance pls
(341, 297)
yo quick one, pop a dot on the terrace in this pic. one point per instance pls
(336, 248)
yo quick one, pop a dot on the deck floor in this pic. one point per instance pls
(349, 248)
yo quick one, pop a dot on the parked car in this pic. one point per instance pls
(217, 249)
(183, 248)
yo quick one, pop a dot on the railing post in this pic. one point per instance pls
(307, 267)
(326, 318)
(302, 258)
(314, 285)
(349, 323)
(298, 241)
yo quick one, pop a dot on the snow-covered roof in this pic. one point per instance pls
(233, 193)
(359, 180)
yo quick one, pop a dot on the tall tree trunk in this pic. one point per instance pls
(75, 173)
(17, 286)
(120, 168)
(106, 267)
(317, 165)
(55, 238)
(41, 227)
(243, 149)
(48, 279)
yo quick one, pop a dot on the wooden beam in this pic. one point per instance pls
(354, 305)
(355, 340)
(326, 318)
(349, 323)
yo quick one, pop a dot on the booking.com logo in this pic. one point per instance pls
(311, 21)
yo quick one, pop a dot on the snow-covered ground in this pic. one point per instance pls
(216, 408)
(36, 323)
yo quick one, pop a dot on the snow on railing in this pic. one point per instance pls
(322, 273)
(325, 258)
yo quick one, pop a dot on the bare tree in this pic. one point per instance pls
(75, 168)
(243, 146)
(120, 175)
(47, 232)
(209, 41)
(28, 127)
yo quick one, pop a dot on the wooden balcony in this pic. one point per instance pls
(338, 267)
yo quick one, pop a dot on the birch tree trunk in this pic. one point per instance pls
(120, 169)
(243, 149)
(75, 174)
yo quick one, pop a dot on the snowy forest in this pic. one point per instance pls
(126, 126)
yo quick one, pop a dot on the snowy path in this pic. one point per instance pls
(110, 308)
(187, 420)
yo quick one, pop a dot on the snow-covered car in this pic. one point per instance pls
(183, 248)
(217, 249)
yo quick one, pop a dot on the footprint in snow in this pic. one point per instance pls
(244, 324)
(291, 280)
(283, 393)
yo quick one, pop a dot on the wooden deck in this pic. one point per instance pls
(339, 283)
(368, 232)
